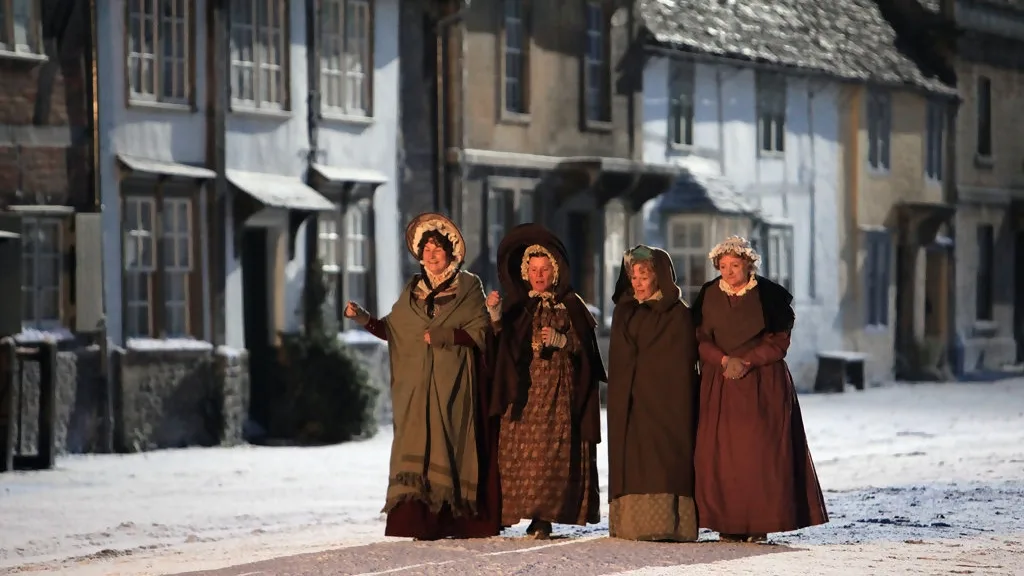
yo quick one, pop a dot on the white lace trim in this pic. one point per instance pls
(533, 252)
(652, 298)
(729, 290)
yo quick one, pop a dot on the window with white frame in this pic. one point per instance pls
(20, 29)
(936, 127)
(506, 207)
(614, 247)
(159, 50)
(877, 276)
(516, 57)
(346, 58)
(357, 252)
(771, 112)
(688, 247)
(879, 129)
(596, 88)
(681, 90)
(778, 256)
(259, 54)
(41, 272)
(159, 267)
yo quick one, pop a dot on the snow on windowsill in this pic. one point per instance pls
(34, 336)
(229, 352)
(359, 336)
(167, 344)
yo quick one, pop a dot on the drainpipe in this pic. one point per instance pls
(313, 152)
(108, 443)
(442, 201)
(812, 288)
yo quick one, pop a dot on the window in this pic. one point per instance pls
(41, 272)
(879, 129)
(357, 254)
(681, 90)
(614, 245)
(20, 29)
(259, 54)
(516, 57)
(687, 244)
(596, 84)
(159, 51)
(984, 146)
(933, 151)
(506, 208)
(343, 246)
(877, 266)
(346, 59)
(778, 257)
(160, 283)
(771, 112)
(985, 281)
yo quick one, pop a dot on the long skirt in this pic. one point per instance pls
(413, 519)
(753, 468)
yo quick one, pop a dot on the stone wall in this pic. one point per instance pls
(175, 398)
(79, 408)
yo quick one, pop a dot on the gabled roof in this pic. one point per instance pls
(847, 39)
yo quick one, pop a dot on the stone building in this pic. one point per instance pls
(811, 129)
(538, 106)
(989, 194)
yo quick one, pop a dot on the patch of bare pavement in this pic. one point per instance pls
(579, 556)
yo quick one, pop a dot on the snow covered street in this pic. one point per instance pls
(922, 478)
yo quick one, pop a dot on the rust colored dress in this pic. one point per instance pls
(753, 469)
(547, 472)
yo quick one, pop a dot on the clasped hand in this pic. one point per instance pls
(736, 368)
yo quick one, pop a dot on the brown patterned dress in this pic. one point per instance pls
(547, 473)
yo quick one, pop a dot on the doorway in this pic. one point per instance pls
(256, 319)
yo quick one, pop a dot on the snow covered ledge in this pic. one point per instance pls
(180, 392)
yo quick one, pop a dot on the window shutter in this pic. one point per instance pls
(88, 272)
(10, 280)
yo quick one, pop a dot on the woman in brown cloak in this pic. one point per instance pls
(443, 480)
(754, 470)
(546, 377)
(652, 403)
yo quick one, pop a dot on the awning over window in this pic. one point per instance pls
(692, 192)
(275, 191)
(164, 168)
(345, 175)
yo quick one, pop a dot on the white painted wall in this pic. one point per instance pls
(374, 146)
(158, 132)
(802, 187)
(277, 143)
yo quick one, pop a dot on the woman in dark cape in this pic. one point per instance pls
(547, 369)
(754, 470)
(443, 480)
(652, 403)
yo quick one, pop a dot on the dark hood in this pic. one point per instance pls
(663, 269)
(510, 260)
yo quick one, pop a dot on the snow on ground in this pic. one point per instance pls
(916, 475)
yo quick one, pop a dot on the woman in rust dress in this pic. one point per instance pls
(443, 478)
(546, 386)
(754, 470)
(652, 403)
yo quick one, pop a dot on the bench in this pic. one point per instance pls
(836, 368)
